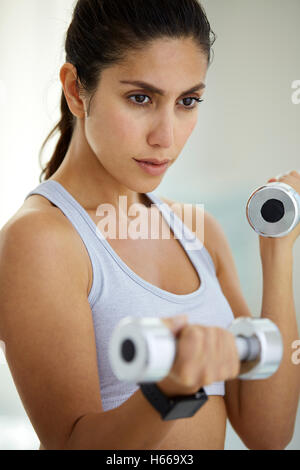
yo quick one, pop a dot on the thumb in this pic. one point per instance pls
(175, 324)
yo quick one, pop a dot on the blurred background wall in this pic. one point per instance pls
(248, 131)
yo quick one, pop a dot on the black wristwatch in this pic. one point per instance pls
(183, 406)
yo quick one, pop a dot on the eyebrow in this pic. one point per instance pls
(158, 91)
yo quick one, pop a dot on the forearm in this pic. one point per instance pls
(270, 405)
(133, 425)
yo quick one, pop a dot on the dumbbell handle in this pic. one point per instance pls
(144, 349)
(248, 348)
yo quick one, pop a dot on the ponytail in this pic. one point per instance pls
(66, 127)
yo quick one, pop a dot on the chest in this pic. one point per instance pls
(162, 262)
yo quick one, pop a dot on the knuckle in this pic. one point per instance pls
(194, 332)
(214, 344)
(191, 343)
(220, 337)
(207, 355)
(207, 338)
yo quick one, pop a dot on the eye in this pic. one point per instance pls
(198, 100)
(140, 101)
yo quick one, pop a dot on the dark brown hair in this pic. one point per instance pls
(103, 31)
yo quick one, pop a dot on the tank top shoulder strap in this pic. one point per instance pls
(190, 242)
(181, 230)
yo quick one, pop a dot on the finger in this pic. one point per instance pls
(289, 173)
(176, 323)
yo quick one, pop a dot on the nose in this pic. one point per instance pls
(162, 132)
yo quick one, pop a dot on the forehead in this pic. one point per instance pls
(166, 63)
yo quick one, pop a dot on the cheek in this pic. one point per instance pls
(125, 126)
(112, 130)
(185, 131)
(120, 129)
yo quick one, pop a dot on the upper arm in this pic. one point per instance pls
(46, 324)
(227, 273)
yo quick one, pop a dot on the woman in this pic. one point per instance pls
(133, 79)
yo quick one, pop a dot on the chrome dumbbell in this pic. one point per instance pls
(144, 349)
(273, 210)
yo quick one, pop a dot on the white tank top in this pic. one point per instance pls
(118, 292)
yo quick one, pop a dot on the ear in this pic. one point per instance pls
(68, 78)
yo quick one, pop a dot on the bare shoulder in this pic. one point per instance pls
(31, 223)
(35, 207)
(208, 236)
(46, 216)
(41, 229)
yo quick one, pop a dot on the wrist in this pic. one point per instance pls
(169, 388)
(271, 246)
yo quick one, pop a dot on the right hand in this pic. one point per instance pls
(203, 355)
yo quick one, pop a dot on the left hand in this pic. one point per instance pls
(292, 179)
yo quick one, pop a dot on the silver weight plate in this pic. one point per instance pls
(271, 347)
(291, 215)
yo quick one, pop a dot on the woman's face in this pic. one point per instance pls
(128, 122)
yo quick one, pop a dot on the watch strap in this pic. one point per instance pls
(177, 407)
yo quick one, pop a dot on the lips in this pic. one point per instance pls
(151, 168)
(154, 161)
